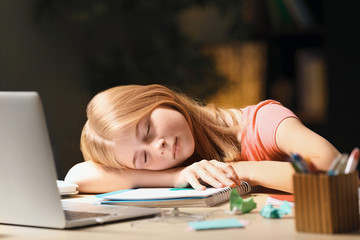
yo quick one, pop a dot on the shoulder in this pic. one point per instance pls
(252, 111)
(266, 107)
(260, 124)
(265, 114)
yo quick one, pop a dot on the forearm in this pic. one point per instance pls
(94, 179)
(270, 174)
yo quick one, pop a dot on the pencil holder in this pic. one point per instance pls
(326, 204)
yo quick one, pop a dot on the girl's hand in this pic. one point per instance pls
(214, 173)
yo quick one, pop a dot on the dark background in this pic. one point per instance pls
(70, 50)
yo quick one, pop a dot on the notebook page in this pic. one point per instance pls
(163, 193)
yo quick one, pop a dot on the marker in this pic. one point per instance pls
(180, 189)
(304, 165)
(334, 164)
(299, 164)
(294, 165)
(310, 165)
(340, 167)
(352, 161)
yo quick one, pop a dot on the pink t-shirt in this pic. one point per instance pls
(260, 122)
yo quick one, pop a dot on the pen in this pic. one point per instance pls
(340, 166)
(294, 165)
(299, 163)
(352, 161)
(310, 165)
(334, 164)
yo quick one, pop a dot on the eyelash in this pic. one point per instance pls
(148, 129)
(146, 135)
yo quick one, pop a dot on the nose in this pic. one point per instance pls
(160, 145)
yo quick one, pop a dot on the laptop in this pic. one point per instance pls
(28, 187)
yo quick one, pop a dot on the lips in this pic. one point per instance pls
(174, 148)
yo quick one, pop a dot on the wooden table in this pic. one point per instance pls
(176, 229)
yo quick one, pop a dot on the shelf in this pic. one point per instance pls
(288, 32)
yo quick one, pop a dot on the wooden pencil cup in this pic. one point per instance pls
(326, 204)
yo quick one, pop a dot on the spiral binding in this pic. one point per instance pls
(224, 195)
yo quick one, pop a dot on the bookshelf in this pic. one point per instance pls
(326, 102)
(296, 65)
(244, 65)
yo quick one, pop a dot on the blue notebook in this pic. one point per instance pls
(171, 197)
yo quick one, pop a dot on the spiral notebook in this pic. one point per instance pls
(172, 197)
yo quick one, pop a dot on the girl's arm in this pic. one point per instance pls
(92, 178)
(291, 137)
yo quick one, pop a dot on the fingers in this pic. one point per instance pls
(195, 183)
(214, 173)
(228, 170)
(195, 173)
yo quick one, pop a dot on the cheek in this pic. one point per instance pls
(123, 161)
(190, 148)
(190, 141)
(123, 156)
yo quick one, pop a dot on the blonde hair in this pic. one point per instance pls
(124, 106)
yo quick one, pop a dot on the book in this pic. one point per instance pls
(67, 188)
(300, 12)
(279, 15)
(172, 197)
(312, 85)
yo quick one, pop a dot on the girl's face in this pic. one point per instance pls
(161, 140)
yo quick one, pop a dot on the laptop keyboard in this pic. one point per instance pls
(75, 215)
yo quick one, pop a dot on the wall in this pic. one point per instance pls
(343, 56)
(39, 59)
(31, 60)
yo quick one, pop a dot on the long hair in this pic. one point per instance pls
(124, 106)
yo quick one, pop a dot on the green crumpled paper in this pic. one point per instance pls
(238, 205)
(269, 211)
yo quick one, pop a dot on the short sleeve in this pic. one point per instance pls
(268, 119)
(259, 134)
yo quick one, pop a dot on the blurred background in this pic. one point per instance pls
(302, 53)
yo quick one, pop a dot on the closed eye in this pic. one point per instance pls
(148, 129)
